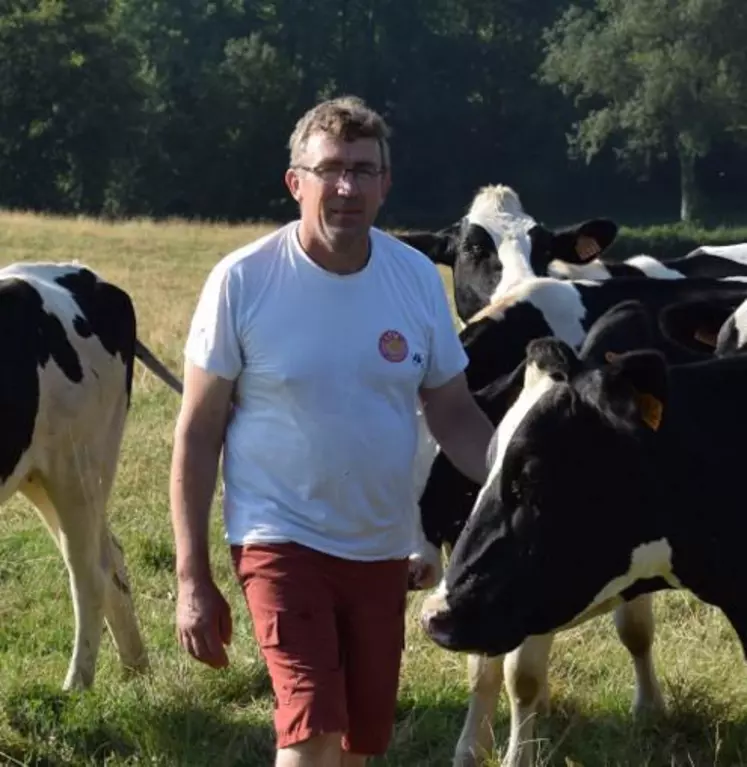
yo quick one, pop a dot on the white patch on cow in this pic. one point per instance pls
(648, 560)
(653, 268)
(498, 210)
(55, 298)
(735, 278)
(739, 318)
(736, 252)
(536, 384)
(594, 270)
(561, 306)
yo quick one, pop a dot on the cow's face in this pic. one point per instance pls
(501, 245)
(567, 518)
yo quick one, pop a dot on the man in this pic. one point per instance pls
(318, 340)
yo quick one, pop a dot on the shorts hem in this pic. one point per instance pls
(289, 739)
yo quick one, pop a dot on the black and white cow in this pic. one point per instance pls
(656, 502)
(715, 261)
(497, 245)
(583, 315)
(69, 345)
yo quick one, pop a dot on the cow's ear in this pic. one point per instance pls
(637, 385)
(552, 357)
(624, 327)
(585, 242)
(696, 324)
(440, 246)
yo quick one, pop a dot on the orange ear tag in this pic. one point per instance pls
(587, 247)
(709, 339)
(651, 410)
(611, 356)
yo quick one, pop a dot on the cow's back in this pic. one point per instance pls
(69, 343)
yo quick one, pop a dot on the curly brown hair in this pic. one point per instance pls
(345, 117)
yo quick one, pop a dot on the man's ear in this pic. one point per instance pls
(293, 182)
(639, 379)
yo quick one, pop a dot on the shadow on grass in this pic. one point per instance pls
(696, 731)
(76, 730)
(59, 728)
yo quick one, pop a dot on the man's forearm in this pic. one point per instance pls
(465, 439)
(194, 470)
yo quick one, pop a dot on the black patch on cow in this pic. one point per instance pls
(107, 313)
(494, 348)
(624, 270)
(702, 264)
(31, 337)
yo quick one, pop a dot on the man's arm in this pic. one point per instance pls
(203, 615)
(198, 441)
(464, 432)
(459, 426)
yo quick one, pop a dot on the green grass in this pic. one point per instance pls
(186, 714)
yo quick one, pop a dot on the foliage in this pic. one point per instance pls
(659, 77)
(183, 107)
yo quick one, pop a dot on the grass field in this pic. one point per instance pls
(186, 714)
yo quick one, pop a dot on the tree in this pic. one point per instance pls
(661, 77)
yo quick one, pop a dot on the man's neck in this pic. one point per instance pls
(346, 258)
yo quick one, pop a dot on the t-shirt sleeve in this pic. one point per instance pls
(447, 357)
(213, 342)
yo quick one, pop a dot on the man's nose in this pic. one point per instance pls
(346, 184)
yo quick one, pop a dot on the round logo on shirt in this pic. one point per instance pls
(393, 346)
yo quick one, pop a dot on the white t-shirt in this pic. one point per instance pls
(320, 448)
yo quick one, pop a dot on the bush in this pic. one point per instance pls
(669, 241)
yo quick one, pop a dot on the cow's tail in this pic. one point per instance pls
(156, 366)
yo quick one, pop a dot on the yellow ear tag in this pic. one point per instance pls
(651, 409)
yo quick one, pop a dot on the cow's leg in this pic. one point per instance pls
(525, 670)
(72, 498)
(76, 530)
(634, 622)
(485, 676)
(119, 609)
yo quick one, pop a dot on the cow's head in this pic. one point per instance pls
(567, 519)
(506, 245)
(496, 245)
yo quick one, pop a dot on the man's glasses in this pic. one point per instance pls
(333, 174)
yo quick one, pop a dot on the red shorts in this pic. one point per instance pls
(332, 633)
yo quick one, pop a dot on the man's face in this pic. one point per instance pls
(340, 187)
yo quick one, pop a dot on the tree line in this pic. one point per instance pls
(629, 108)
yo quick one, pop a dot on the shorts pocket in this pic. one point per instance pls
(299, 643)
(267, 632)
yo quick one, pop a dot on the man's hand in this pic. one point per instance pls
(425, 569)
(203, 622)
